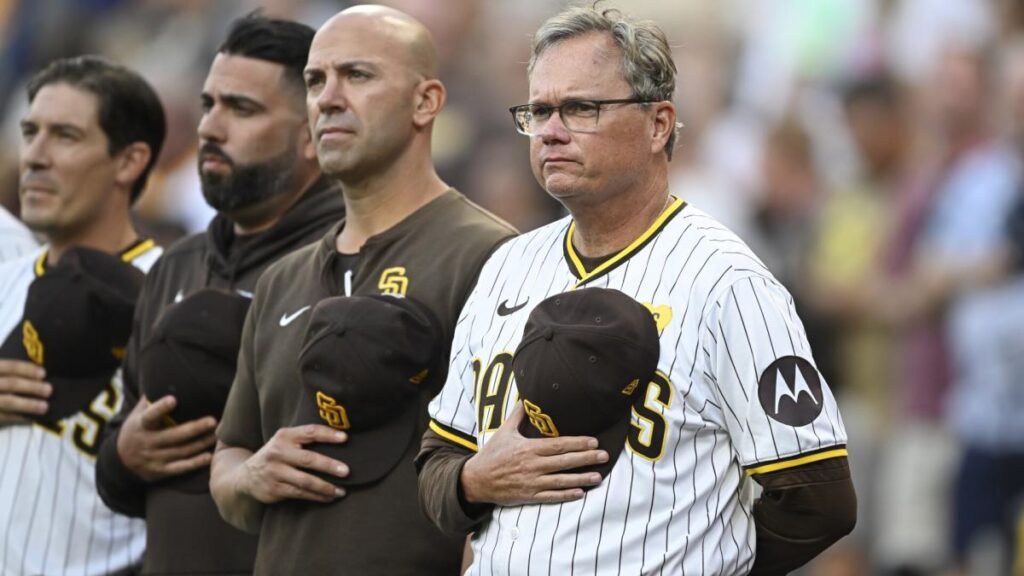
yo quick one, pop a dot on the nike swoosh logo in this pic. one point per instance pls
(504, 310)
(287, 319)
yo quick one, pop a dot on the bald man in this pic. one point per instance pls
(372, 97)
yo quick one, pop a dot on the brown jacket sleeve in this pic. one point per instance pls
(802, 511)
(439, 465)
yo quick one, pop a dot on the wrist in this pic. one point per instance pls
(468, 485)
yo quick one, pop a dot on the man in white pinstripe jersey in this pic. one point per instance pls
(737, 398)
(92, 133)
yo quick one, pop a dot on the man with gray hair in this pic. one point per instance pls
(736, 396)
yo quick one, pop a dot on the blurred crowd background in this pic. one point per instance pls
(868, 150)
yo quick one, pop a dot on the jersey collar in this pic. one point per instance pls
(584, 276)
(127, 255)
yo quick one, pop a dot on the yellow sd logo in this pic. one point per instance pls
(539, 419)
(662, 315)
(33, 346)
(331, 412)
(393, 281)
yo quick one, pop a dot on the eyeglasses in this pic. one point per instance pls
(576, 115)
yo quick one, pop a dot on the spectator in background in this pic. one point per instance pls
(950, 226)
(847, 257)
(782, 229)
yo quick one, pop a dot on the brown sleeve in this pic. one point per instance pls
(439, 465)
(802, 511)
(241, 424)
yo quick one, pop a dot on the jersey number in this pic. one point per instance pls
(86, 432)
(646, 437)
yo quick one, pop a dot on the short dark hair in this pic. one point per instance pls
(879, 89)
(129, 109)
(282, 42)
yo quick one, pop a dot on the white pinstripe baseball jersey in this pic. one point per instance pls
(736, 393)
(52, 521)
(15, 239)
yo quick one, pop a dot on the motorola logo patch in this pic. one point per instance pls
(790, 391)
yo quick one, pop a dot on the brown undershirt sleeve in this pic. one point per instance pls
(439, 464)
(802, 511)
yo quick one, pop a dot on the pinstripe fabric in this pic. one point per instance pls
(679, 498)
(15, 239)
(51, 519)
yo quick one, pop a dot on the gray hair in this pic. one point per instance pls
(646, 57)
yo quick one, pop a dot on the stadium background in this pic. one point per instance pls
(768, 147)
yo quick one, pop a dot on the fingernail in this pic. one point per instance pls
(339, 492)
(48, 389)
(340, 436)
(592, 443)
(595, 479)
(342, 470)
(602, 456)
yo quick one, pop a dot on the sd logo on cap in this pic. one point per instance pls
(77, 320)
(584, 356)
(366, 362)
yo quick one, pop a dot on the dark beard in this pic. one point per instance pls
(247, 184)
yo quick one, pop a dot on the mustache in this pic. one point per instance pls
(35, 179)
(211, 149)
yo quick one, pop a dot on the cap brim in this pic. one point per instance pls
(612, 440)
(369, 454)
(72, 395)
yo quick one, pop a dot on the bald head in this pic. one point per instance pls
(402, 37)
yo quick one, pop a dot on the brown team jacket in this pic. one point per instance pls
(434, 256)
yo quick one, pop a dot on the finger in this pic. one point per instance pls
(305, 483)
(23, 369)
(300, 494)
(154, 413)
(563, 482)
(309, 460)
(204, 444)
(515, 417)
(313, 433)
(20, 405)
(557, 496)
(7, 418)
(183, 433)
(563, 445)
(558, 463)
(179, 467)
(26, 387)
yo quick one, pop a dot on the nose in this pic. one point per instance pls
(211, 126)
(35, 154)
(332, 97)
(553, 131)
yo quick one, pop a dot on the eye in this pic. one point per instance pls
(581, 108)
(359, 75)
(539, 112)
(314, 80)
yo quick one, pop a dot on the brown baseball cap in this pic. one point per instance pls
(585, 357)
(364, 362)
(192, 354)
(76, 323)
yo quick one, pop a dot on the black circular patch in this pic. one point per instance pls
(790, 391)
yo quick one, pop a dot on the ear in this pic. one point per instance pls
(428, 100)
(131, 162)
(663, 125)
(305, 142)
